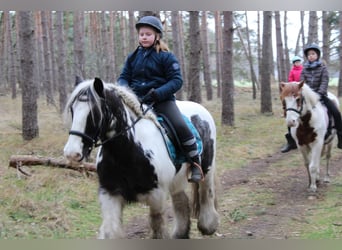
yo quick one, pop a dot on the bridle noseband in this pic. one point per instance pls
(298, 111)
(93, 141)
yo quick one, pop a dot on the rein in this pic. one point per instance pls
(94, 141)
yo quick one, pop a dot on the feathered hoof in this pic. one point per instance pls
(208, 227)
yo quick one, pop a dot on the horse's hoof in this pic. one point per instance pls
(312, 197)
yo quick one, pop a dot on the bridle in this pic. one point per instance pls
(298, 111)
(94, 141)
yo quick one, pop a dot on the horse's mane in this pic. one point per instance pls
(132, 102)
(311, 97)
(126, 95)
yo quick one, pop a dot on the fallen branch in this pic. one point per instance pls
(17, 161)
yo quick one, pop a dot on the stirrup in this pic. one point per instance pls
(197, 166)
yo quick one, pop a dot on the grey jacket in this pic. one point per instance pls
(316, 75)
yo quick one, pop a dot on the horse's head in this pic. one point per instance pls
(292, 98)
(86, 109)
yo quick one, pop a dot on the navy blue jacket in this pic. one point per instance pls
(145, 69)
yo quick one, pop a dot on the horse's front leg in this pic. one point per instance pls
(111, 208)
(314, 165)
(157, 204)
(306, 153)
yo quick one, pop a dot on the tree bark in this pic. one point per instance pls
(176, 45)
(46, 58)
(326, 29)
(313, 28)
(79, 53)
(61, 60)
(227, 116)
(255, 82)
(266, 98)
(218, 43)
(194, 93)
(12, 78)
(339, 90)
(16, 161)
(30, 127)
(282, 76)
(206, 57)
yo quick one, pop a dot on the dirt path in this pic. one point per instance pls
(291, 197)
(290, 200)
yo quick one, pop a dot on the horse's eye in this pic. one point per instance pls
(83, 98)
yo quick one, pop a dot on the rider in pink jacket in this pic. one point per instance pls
(294, 75)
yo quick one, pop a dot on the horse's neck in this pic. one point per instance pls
(311, 100)
(134, 110)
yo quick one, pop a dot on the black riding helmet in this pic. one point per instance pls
(151, 21)
(314, 47)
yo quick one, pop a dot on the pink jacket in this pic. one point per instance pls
(294, 75)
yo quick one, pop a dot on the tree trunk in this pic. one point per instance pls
(206, 57)
(79, 53)
(123, 42)
(3, 73)
(259, 46)
(339, 91)
(112, 47)
(282, 76)
(227, 117)
(313, 28)
(286, 48)
(11, 53)
(61, 60)
(326, 29)
(255, 83)
(30, 127)
(39, 74)
(194, 93)
(105, 62)
(218, 46)
(132, 32)
(176, 44)
(302, 13)
(266, 98)
(47, 57)
(53, 55)
(182, 59)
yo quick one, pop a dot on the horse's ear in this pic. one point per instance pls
(98, 86)
(78, 80)
(301, 84)
(282, 85)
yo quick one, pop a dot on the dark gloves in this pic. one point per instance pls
(150, 97)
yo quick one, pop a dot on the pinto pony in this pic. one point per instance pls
(133, 162)
(308, 119)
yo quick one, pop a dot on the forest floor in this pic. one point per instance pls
(262, 193)
(281, 218)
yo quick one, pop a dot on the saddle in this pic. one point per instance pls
(172, 142)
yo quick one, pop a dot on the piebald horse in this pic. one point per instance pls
(308, 119)
(133, 162)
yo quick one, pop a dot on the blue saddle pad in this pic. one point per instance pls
(176, 155)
